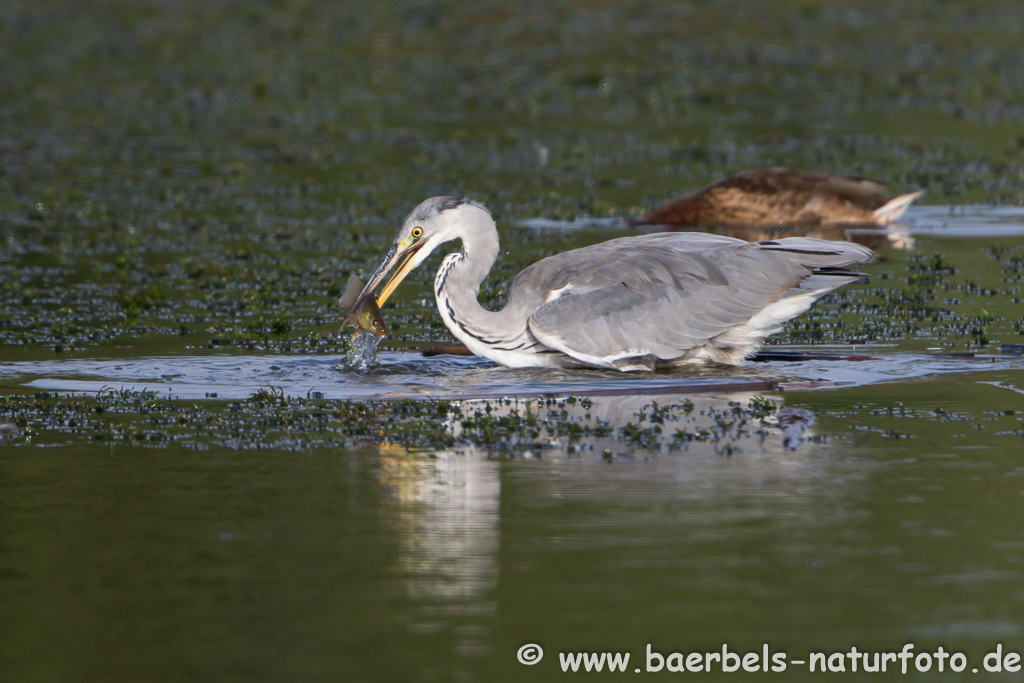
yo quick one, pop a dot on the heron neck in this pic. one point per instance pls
(475, 259)
(457, 287)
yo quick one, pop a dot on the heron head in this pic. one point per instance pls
(433, 222)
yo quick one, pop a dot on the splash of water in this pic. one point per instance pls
(361, 354)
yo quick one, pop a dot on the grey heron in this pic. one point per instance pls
(778, 196)
(633, 303)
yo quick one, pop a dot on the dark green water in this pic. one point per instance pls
(184, 190)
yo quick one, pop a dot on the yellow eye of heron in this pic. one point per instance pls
(417, 232)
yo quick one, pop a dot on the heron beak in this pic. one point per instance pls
(393, 257)
(386, 265)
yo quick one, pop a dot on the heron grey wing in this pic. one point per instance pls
(815, 253)
(653, 257)
(605, 304)
(659, 319)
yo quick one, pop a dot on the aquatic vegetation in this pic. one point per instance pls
(270, 419)
(508, 427)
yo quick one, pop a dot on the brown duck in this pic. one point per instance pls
(774, 197)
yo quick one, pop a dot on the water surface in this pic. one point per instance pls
(190, 490)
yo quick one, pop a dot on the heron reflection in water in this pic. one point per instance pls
(633, 303)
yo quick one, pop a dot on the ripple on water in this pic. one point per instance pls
(409, 375)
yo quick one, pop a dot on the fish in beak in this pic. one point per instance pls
(364, 313)
(365, 305)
